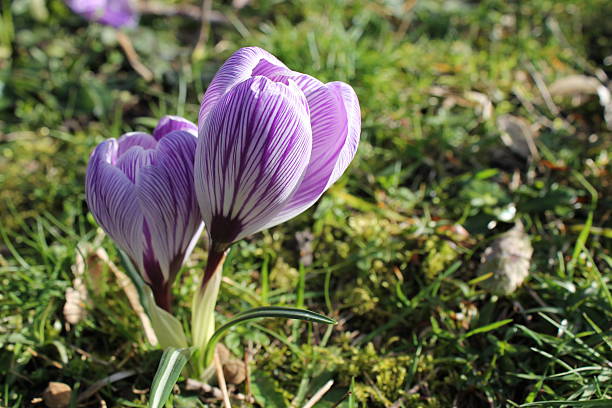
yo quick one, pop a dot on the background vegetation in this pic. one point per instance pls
(392, 251)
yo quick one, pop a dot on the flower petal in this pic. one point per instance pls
(238, 68)
(166, 196)
(116, 13)
(170, 123)
(132, 162)
(112, 199)
(252, 153)
(347, 95)
(119, 13)
(144, 140)
(335, 133)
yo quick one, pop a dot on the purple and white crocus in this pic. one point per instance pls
(115, 13)
(271, 141)
(140, 191)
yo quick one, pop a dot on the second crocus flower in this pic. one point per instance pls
(140, 191)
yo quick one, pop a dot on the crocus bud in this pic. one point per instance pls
(271, 141)
(115, 13)
(140, 190)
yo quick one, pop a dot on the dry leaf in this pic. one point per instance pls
(579, 86)
(507, 260)
(574, 85)
(234, 370)
(518, 135)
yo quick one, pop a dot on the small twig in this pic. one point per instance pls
(132, 57)
(345, 396)
(541, 85)
(319, 394)
(221, 380)
(54, 363)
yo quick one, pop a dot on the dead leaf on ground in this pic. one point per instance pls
(234, 369)
(518, 135)
(574, 85)
(507, 261)
(580, 88)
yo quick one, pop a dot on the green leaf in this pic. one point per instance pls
(168, 329)
(265, 391)
(262, 312)
(487, 328)
(172, 362)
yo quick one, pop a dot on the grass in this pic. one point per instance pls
(388, 262)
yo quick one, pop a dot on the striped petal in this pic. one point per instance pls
(169, 124)
(166, 196)
(336, 125)
(252, 153)
(329, 131)
(346, 94)
(128, 140)
(112, 199)
(134, 160)
(238, 68)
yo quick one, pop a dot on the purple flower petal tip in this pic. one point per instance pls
(140, 191)
(271, 141)
(169, 124)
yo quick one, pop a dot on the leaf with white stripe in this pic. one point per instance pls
(172, 362)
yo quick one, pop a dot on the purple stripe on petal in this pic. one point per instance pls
(169, 124)
(166, 196)
(132, 162)
(252, 153)
(238, 68)
(112, 199)
(329, 132)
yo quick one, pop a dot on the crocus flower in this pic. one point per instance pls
(271, 141)
(116, 13)
(140, 191)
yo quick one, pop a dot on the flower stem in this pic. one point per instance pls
(203, 308)
(216, 258)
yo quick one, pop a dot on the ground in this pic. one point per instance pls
(465, 135)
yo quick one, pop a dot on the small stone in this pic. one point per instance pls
(57, 395)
